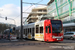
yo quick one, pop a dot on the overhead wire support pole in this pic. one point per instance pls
(21, 22)
(22, 14)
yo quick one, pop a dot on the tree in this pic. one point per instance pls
(3, 27)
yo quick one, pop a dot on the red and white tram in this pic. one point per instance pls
(46, 30)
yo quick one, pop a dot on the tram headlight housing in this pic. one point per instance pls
(57, 37)
(53, 37)
(61, 36)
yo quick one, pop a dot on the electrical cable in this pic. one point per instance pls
(25, 10)
(28, 8)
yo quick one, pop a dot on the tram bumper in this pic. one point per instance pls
(57, 38)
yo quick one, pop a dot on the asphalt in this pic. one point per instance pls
(36, 45)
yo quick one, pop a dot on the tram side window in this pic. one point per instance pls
(32, 31)
(46, 29)
(41, 29)
(49, 29)
(28, 30)
(26, 33)
(37, 28)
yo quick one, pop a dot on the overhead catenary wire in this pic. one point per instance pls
(34, 3)
(29, 8)
(25, 10)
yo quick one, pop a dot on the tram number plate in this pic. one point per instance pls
(59, 39)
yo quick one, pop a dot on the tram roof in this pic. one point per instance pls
(29, 24)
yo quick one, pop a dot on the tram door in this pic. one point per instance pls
(47, 33)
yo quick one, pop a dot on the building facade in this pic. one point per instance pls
(64, 10)
(36, 14)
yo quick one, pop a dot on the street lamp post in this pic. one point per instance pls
(9, 18)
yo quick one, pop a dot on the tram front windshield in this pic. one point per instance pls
(56, 26)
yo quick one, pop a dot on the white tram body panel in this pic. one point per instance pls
(24, 27)
(39, 31)
(28, 31)
(31, 32)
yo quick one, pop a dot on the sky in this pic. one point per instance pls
(11, 9)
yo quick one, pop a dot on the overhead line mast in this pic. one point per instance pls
(23, 12)
(21, 22)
